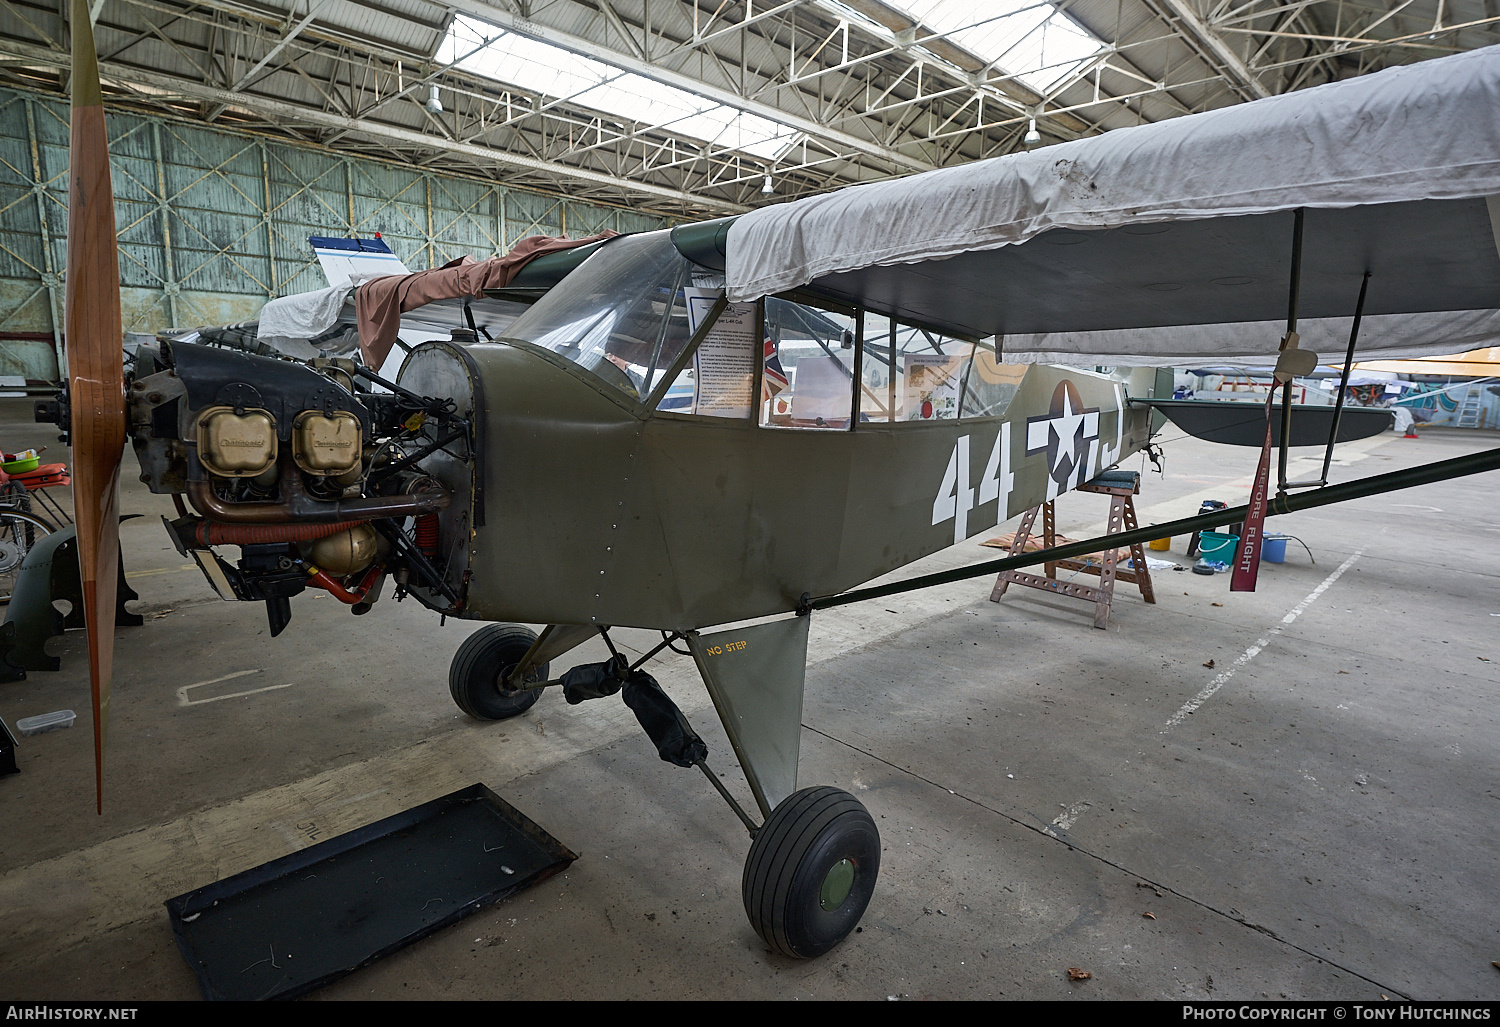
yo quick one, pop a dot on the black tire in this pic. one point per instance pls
(19, 531)
(816, 837)
(486, 655)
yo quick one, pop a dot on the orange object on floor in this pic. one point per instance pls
(38, 481)
(44, 477)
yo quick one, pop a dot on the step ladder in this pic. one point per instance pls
(1468, 412)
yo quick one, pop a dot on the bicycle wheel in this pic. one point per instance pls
(18, 533)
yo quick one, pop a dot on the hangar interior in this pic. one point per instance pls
(1280, 794)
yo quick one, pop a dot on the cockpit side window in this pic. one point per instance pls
(992, 383)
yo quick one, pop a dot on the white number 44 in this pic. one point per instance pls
(955, 497)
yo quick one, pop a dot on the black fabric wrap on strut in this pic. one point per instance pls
(676, 741)
(590, 681)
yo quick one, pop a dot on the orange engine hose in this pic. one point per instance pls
(321, 579)
(213, 533)
(427, 534)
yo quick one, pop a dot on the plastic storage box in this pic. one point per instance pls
(46, 722)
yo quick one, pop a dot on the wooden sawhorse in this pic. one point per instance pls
(1121, 486)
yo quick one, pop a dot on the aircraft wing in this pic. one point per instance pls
(1170, 243)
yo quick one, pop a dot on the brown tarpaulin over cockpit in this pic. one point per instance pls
(378, 304)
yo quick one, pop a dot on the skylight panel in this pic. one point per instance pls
(542, 68)
(1029, 39)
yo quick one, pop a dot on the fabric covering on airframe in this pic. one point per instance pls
(379, 303)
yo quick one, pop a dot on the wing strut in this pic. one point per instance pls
(1338, 403)
(93, 337)
(1360, 488)
(1289, 342)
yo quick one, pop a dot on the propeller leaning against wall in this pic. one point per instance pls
(93, 337)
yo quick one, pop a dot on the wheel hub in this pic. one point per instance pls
(526, 679)
(11, 555)
(837, 884)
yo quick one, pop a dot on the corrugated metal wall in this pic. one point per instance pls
(213, 223)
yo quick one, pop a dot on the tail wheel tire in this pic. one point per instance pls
(481, 663)
(811, 871)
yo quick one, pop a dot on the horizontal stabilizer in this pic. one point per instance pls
(1244, 424)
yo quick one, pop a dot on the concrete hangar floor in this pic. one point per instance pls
(1324, 825)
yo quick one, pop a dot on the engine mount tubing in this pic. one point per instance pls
(407, 549)
(321, 579)
(212, 533)
(296, 506)
(1360, 488)
(381, 473)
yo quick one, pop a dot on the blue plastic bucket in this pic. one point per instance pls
(1273, 549)
(1216, 547)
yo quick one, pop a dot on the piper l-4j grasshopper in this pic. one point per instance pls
(663, 440)
(635, 452)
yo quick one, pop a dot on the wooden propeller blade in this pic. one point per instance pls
(96, 370)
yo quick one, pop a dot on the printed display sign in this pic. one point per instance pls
(724, 366)
(821, 391)
(932, 384)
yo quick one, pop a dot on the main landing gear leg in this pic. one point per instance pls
(814, 860)
(813, 864)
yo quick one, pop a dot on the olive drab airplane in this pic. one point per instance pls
(740, 421)
(543, 478)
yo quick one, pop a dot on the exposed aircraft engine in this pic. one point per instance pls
(318, 478)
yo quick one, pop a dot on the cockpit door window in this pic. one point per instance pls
(807, 379)
(911, 373)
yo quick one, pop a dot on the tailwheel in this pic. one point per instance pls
(811, 871)
(482, 662)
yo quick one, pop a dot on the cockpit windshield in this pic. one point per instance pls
(622, 314)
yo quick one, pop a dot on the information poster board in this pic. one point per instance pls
(724, 366)
(932, 385)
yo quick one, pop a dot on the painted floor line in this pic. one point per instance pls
(182, 693)
(164, 570)
(237, 695)
(1249, 654)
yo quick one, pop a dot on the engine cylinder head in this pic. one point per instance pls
(327, 445)
(235, 444)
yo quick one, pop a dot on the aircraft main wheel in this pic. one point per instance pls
(811, 871)
(482, 661)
